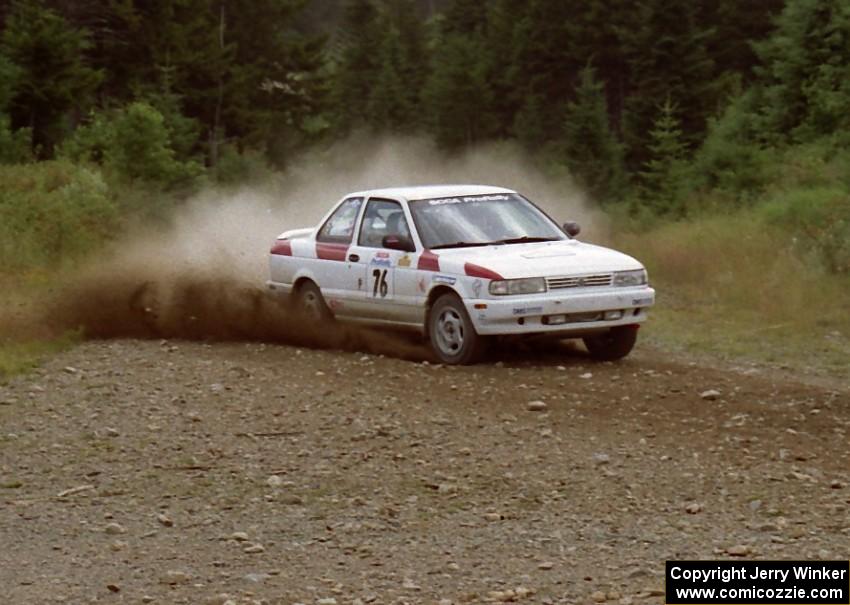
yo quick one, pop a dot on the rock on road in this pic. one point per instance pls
(182, 472)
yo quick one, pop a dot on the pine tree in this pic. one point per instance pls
(14, 145)
(403, 16)
(391, 106)
(667, 58)
(456, 92)
(592, 151)
(466, 17)
(394, 99)
(273, 82)
(735, 27)
(499, 48)
(661, 177)
(238, 69)
(529, 123)
(358, 64)
(53, 77)
(803, 90)
(9, 77)
(545, 62)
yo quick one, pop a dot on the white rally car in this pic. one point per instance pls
(461, 264)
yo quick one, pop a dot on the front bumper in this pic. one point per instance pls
(573, 312)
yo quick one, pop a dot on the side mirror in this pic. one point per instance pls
(398, 242)
(572, 228)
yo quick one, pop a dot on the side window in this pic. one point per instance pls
(339, 228)
(382, 217)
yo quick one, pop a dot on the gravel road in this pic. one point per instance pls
(183, 472)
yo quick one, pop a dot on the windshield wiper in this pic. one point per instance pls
(513, 240)
(525, 239)
(460, 245)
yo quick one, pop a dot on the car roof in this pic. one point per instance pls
(424, 192)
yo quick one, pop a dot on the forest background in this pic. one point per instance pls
(714, 136)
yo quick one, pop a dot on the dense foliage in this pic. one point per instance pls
(666, 108)
(51, 212)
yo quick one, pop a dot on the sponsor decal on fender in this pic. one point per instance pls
(404, 261)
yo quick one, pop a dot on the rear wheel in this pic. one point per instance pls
(453, 337)
(310, 303)
(614, 344)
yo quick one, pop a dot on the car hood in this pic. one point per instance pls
(543, 259)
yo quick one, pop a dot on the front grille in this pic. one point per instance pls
(580, 281)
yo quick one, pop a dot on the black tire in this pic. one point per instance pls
(311, 305)
(451, 334)
(612, 345)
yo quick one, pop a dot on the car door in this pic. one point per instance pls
(386, 272)
(337, 277)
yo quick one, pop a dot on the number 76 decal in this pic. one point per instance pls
(380, 276)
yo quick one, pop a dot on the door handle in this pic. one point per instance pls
(354, 257)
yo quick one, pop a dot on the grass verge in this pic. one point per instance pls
(737, 287)
(17, 357)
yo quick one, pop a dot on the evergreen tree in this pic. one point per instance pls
(53, 78)
(735, 26)
(391, 104)
(9, 77)
(395, 96)
(662, 173)
(359, 63)
(238, 68)
(456, 92)
(465, 17)
(273, 82)
(668, 58)
(803, 90)
(14, 145)
(545, 63)
(529, 124)
(592, 151)
(499, 48)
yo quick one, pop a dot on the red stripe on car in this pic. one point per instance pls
(326, 251)
(428, 261)
(282, 247)
(473, 270)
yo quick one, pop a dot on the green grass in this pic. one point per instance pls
(17, 357)
(721, 333)
(740, 287)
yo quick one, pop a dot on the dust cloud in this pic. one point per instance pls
(202, 276)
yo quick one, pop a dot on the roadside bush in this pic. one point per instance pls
(14, 145)
(731, 158)
(133, 144)
(818, 222)
(235, 167)
(51, 212)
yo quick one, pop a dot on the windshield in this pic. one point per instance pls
(479, 220)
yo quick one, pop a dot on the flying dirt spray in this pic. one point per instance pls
(202, 276)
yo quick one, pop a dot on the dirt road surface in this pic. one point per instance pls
(182, 472)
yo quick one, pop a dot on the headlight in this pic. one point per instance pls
(531, 285)
(630, 278)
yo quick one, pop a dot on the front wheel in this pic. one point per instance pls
(614, 344)
(453, 337)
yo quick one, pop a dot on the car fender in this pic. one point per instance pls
(462, 285)
(306, 273)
